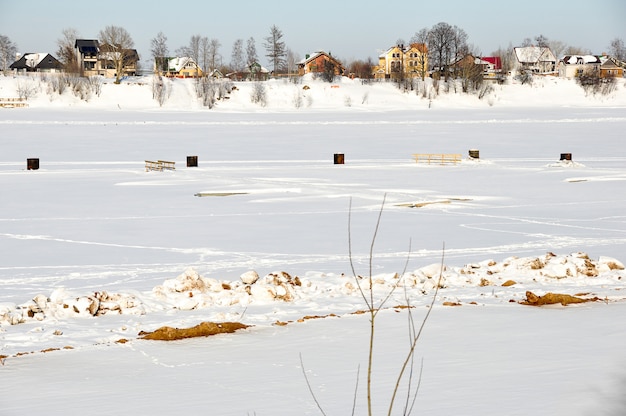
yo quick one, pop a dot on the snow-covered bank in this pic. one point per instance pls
(309, 94)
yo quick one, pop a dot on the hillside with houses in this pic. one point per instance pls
(435, 61)
(396, 63)
(442, 51)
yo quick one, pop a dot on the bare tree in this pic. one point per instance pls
(421, 38)
(292, 61)
(251, 55)
(204, 54)
(236, 56)
(66, 51)
(117, 44)
(440, 45)
(557, 47)
(8, 50)
(507, 58)
(460, 47)
(275, 48)
(192, 50)
(617, 49)
(542, 41)
(576, 50)
(159, 50)
(214, 54)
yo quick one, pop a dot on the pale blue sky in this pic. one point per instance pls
(347, 29)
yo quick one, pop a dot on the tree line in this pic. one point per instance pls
(445, 43)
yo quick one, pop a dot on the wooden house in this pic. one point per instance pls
(609, 68)
(320, 62)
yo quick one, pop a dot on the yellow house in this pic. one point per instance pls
(183, 67)
(400, 61)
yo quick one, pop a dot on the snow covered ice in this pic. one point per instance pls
(97, 249)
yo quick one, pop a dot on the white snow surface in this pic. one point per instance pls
(96, 249)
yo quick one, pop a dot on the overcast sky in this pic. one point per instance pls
(348, 29)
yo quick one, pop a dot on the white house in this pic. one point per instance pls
(572, 66)
(536, 59)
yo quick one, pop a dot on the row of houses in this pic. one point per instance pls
(541, 60)
(412, 61)
(91, 59)
(398, 61)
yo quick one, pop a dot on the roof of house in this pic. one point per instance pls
(534, 54)
(40, 60)
(608, 62)
(422, 47)
(111, 53)
(494, 60)
(178, 63)
(580, 59)
(259, 68)
(316, 55)
(87, 45)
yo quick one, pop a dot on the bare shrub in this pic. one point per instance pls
(57, 84)
(160, 89)
(525, 77)
(259, 94)
(206, 90)
(79, 87)
(94, 83)
(224, 87)
(484, 90)
(593, 84)
(407, 375)
(298, 100)
(435, 86)
(26, 88)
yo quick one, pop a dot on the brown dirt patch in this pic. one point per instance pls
(553, 298)
(203, 329)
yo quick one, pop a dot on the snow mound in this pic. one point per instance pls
(191, 291)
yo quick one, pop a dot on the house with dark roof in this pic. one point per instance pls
(37, 62)
(96, 59)
(87, 51)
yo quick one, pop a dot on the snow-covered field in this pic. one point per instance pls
(95, 249)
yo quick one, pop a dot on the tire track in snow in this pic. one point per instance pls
(316, 122)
